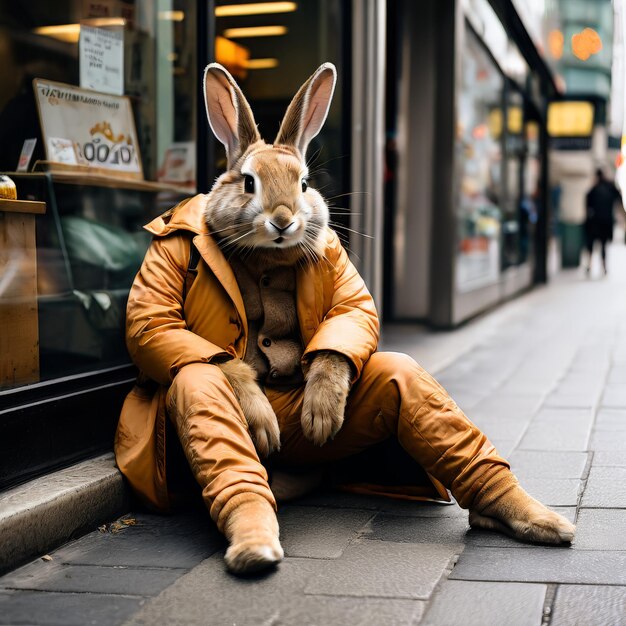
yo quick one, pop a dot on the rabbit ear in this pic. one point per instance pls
(228, 111)
(308, 110)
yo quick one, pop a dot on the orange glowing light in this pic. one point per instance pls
(555, 43)
(480, 131)
(586, 43)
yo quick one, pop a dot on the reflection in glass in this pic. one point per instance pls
(480, 154)
(270, 66)
(90, 243)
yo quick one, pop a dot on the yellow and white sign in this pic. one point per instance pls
(100, 127)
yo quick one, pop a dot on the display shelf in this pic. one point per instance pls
(22, 206)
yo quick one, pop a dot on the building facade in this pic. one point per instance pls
(433, 159)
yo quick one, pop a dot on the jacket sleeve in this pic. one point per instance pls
(158, 339)
(350, 326)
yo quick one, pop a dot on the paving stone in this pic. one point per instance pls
(614, 396)
(564, 415)
(49, 576)
(384, 569)
(548, 464)
(573, 385)
(580, 400)
(337, 611)
(557, 435)
(65, 609)
(467, 400)
(508, 406)
(608, 440)
(610, 419)
(553, 491)
(181, 540)
(401, 529)
(549, 565)
(606, 488)
(617, 375)
(413, 508)
(274, 598)
(485, 604)
(588, 605)
(500, 428)
(504, 447)
(317, 532)
(609, 458)
(478, 537)
(601, 529)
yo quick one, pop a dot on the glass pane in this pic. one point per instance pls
(271, 55)
(479, 139)
(40, 39)
(90, 242)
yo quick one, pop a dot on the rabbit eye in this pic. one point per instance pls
(248, 183)
(305, 185)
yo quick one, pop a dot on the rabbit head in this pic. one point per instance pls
(263, 202)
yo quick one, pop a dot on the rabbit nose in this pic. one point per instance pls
(282, 218)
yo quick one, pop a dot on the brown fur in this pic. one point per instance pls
(249, 522)
(325, 396)
(517, 514)
(254, 405)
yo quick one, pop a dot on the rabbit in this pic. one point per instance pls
(263, 207)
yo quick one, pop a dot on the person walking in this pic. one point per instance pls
(600, 218)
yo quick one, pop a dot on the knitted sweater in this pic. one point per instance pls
(274, 345)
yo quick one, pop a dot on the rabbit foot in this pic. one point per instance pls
(251, 528)
(325, 397)
(253, 556)
(520, 516)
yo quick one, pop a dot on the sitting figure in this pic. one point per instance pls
(265, 347)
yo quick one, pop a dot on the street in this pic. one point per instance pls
(543, 376)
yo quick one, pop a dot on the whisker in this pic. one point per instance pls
(356, 232)
(349, 193)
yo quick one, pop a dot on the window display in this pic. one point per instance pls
(134, 65)
(479, 148)
(268, 53)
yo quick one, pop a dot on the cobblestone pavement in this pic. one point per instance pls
(545, 378)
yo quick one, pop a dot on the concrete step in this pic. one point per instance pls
(44, 513)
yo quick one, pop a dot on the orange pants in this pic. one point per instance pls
(393, 397)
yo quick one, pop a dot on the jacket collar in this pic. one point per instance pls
(186, 215)
(189, 215)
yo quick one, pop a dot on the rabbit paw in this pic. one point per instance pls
(325, 397)
(518, 515)
(255, 406)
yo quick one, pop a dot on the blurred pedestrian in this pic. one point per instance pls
(600, 217)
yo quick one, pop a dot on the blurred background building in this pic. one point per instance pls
(462, 139)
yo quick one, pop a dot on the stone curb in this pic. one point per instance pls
(44, 513)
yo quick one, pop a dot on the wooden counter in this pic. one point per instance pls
(19, 330)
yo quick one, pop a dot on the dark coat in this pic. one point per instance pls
(600, 217)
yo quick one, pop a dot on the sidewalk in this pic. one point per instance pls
(544, 376)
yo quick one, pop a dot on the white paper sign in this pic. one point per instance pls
(61, 150)
(26, 155)
(100, 127)
(102, 60)
(179, 165)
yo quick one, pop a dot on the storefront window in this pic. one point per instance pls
(479, 139)
(65, 273)
(271, 55)
(514, 227)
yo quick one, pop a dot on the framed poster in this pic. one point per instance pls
(98, 128)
